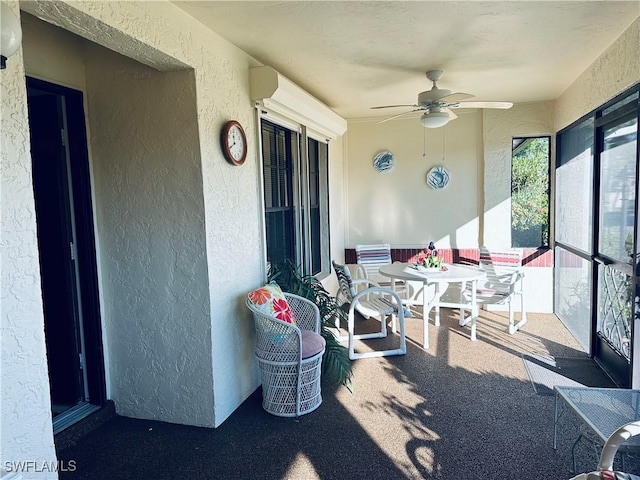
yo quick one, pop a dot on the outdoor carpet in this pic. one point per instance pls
(547, 372)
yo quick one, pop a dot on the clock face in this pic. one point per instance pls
(235, 139)
(234, 143)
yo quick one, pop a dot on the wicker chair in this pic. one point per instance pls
(290, 377)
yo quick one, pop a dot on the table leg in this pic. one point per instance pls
(573, 452)
(436, 320)
(393, 317)
(474, 308)
(555, 423)
(426, 308)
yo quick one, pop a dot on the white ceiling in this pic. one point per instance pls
(358, 54)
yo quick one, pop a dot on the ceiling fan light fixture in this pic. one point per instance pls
(434, 119)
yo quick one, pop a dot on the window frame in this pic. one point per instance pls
(301, 190)
(526, 138)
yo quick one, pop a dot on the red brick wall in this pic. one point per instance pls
(532, 257)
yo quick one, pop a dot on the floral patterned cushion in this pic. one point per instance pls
(271, 301)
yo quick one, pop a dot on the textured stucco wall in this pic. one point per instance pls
(150, 219)
(500, 126)
(25, 407)
(398, 207)
(610, 74)
(159, 35)
(337, 208)
(52, 54)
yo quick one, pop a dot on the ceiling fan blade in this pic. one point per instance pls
(392, 106)
(401, 114)
(452, 116)
(455, 97)
(502, 105)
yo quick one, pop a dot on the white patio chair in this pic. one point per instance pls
(373, 301)
(290, 357)
(504, 282)
(370, 258)
(604, 469)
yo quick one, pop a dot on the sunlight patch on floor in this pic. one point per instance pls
(392, 414)
(301, 467)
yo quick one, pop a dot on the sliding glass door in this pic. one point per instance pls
(616, 246)
(596, 232)
(574, 229)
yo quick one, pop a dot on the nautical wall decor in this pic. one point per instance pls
(438, 177)
(383, 161)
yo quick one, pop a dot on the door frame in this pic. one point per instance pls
(618, 368)
(602, 351)
(80, 184)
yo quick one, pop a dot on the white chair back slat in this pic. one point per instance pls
(499, 266)
(372, 257)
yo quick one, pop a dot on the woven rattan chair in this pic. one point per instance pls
(290, 376)
(373, 301)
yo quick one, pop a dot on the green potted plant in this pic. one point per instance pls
(336, 366)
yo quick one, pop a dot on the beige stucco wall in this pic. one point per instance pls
(52, 54)
(500, 127)
(398, 207)
(160, 35)
(150, 221)
(181, 230)
(25, 406)
(611, 73)
(475, 208)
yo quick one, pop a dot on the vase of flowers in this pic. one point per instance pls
(429, 260)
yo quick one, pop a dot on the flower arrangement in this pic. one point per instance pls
(430, 258)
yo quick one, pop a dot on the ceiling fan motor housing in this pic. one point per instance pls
(433, 95)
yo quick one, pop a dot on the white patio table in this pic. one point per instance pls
(453, 273)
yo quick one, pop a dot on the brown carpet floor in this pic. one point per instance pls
(461, 410)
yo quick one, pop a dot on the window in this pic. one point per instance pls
(574, 180)
(296, 199)
(618, 189)
(530, 192)
(318, 153)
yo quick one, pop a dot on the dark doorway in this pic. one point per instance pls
(66, 244)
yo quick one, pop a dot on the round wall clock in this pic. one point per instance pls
(234, 142)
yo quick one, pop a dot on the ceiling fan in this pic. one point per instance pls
(438, 102)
